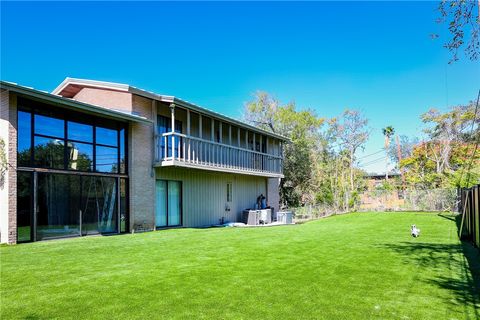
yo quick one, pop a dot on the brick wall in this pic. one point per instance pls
(12, 172)
(106, 98)
(8, 185)
(142, 177)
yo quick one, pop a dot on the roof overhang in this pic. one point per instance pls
(71, 86)
(70, 103)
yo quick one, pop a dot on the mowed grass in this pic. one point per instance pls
(355, 266)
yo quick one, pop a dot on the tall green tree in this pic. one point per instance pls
(388, 133)
(302, 127)
(443, 158)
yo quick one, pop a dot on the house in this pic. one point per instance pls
(97, 157)
(378, 194)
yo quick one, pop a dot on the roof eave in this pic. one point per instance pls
(49, 97)
(199, 109)
(164, 98)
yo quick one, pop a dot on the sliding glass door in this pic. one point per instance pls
(57, 206)
(168, 212)
(73, 205)
(99, 205)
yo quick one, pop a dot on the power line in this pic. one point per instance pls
(371, 162)
(371, 154)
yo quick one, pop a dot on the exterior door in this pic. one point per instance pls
(99, 205)
(168, 211)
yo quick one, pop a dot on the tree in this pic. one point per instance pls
(351, 130)
(261, 111)
(463, 18)
(444, 157)
(302, 128)
(388, 133)
(406, 147)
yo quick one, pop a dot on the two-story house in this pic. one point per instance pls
(102, 158)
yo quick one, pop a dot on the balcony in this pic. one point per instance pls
(176, 149)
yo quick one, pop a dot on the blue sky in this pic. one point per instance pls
(376, 57)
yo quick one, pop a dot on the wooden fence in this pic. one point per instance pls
(470, 210)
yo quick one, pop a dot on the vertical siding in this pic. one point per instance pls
(205, 194)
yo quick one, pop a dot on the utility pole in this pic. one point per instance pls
(399, 152)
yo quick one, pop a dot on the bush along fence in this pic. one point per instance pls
(470, 210)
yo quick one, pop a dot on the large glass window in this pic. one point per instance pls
(123, 206)
(174, 203)
(107, 159)
(59, 143)
(122, 151)
(49, 126)
(24, 138)
(106, 136)
(24, 206)
(80, 132)
(80, 156)
(49, 152)
(71, 205)
(161, 204)
(99, 205)
(58, 214)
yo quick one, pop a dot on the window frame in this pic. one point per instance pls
(34, 108)
(167, 182)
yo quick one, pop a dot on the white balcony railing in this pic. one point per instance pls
(195, 151)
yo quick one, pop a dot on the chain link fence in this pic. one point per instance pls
(446, 200)
(410, 200)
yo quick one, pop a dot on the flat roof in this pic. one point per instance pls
(71, 86)
(71, 103)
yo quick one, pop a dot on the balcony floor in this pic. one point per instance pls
(201, 166)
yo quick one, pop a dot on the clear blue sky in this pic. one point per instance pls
(377, 57)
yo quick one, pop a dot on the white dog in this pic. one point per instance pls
(415, 231)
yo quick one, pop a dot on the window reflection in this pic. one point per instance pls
(123, 206)
(49, 153)
(24, 138)
(49, 126)
(107, 160)
(80, 156)
(57, 210)
(122, 151)
(80, 132)
(24, 206)
(71, 145)
(99, 205)
(106, 136)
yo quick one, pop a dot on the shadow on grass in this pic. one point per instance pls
(444, 260)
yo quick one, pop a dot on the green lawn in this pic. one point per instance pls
(355, 266)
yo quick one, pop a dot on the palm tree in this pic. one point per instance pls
(388, 133)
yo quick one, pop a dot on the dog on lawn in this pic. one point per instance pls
(415, 231)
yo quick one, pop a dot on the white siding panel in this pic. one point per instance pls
(205, 194)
